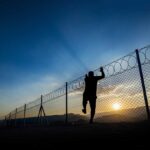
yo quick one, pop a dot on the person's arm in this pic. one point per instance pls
(85, 77)
(103, 74)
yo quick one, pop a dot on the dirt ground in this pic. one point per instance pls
(114, 135)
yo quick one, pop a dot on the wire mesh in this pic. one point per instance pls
(55, 110)
(145, 61)
(119, 95)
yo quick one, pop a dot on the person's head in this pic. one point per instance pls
(91, 74)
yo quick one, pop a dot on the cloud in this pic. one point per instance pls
(76, 93)
(27, 92)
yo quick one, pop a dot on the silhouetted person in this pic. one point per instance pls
(90, 92)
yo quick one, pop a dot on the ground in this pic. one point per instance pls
(114, 135)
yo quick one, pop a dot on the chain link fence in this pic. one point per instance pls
(122, 96)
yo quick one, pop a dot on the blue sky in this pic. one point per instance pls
(44, 43)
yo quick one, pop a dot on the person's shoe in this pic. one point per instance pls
(84, 111)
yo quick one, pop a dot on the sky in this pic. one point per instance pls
(44, 43)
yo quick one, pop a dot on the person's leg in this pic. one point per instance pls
(93, 107)
(84, 103)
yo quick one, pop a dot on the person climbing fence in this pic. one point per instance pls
(90, 91)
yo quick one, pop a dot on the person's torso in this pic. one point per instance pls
(91, 86)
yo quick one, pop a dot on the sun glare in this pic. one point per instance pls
(116, 106)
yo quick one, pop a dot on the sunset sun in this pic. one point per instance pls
(116, 106)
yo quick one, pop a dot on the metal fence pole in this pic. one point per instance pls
(10, 119)
(143, 84)
(66, 103)
(41, 111)
(41, 119)
(24, 122)
(16, 117)
(5, 124)
(44, 114)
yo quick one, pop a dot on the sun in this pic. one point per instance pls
(116, 106)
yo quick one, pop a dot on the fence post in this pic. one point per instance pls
(66, 103)
(143, 84)
(9, 119)
(5, 122)
(16, 117)
(41, 118)
(24, 123)
(41, 110)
